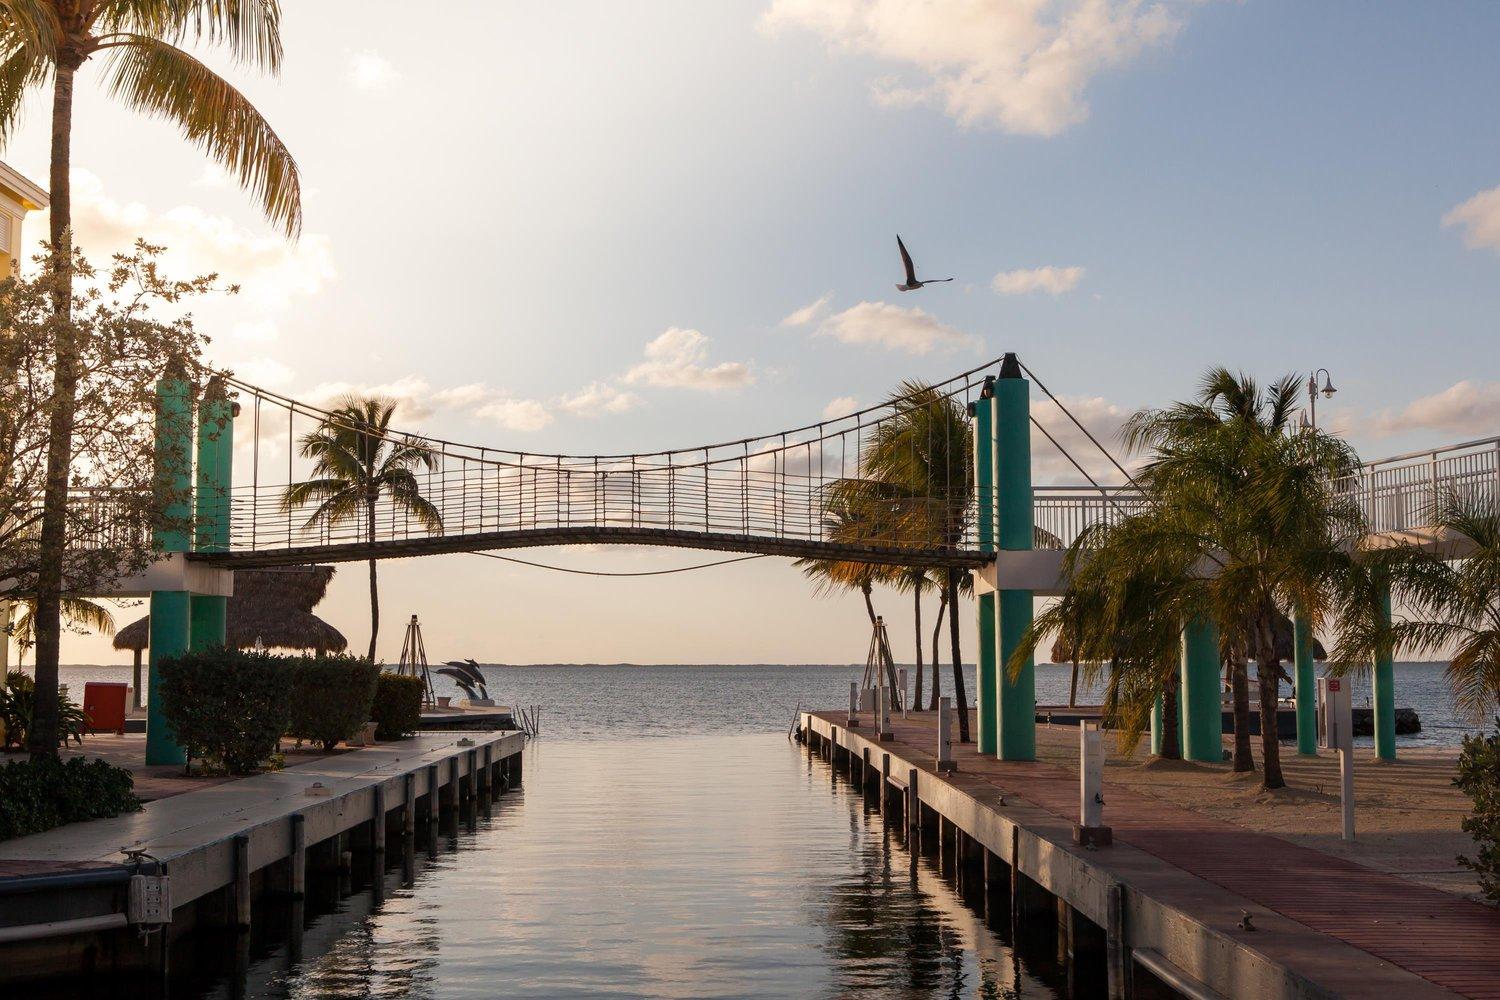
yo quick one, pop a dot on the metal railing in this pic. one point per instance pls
(1402, 492)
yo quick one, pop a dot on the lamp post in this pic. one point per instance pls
(1313, 388)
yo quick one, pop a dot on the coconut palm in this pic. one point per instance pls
(77, 613)
(922, 457)
(356, 462)
(46, 42)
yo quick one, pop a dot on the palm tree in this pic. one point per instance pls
(356, 462)
(915, 580)
(77, 613)
(44, 41)
(922, 458)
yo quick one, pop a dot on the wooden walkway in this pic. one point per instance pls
(1451, 942)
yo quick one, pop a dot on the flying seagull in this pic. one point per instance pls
(912, 284)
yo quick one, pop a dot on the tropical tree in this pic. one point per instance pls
(914, 579)
(356, 463)
(79, 614)
(46, 42)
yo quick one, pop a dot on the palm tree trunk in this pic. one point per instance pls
(916, 602)
(1073, 685)
(42, 736)
(1268, 668)
(1171, 744)
(962, 695)
(1239, 686)
(374, 589)
(865, 588)
(937, 675)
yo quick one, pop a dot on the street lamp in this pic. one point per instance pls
(1313, 389)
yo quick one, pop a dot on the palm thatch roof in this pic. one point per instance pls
(1061, 653)
(273, 606)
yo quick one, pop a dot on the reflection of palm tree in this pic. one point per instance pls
(356, 463)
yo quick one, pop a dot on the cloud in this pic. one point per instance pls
(261, 331)
(462, 397)
(598, 398)
(269, 269)
(840, 407)
(809, 313)
(678, 359)
(895, 328)
(1103, 420)
(1052, 280)
(1479, 217)
(515, 414)
(369, 70)
(266, 372)
(412, 394)
(1466, 407)
(1021, 67)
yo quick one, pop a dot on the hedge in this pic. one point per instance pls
(1479, 776)
(18, 701)
(398, 705)
(331, 697)
(227, 707)
(41, 794)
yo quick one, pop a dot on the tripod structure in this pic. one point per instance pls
(880, 667)
(414, 660)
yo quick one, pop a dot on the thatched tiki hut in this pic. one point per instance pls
(269, 606)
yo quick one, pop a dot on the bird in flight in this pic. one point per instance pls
(912, 284)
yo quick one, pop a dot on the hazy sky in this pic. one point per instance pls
(605, 227)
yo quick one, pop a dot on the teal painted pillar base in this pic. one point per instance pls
(1307, 688)
(208, 621)
(986, 684)
(1198, 693)
(1017, 698)
(171, 633)
(1385, 695)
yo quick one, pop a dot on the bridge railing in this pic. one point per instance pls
(1400, 493)
(1061, 513)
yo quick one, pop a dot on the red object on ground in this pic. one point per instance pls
(104, 704)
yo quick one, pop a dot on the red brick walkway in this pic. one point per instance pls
(1447, 940)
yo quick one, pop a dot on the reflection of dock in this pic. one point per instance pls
(1407, 721)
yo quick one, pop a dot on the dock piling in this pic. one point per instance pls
(242, 881)
(377, 830)
(1117, 956)
(298, 859)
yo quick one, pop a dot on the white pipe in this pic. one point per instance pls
(62, 928)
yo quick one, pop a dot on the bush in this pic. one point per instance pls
(17, 702)
(227, 707)
(39, 795)
(1479, 776)
(331, 697)
(398, 705)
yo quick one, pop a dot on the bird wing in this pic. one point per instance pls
(911, 272)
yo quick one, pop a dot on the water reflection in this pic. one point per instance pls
(713, 867)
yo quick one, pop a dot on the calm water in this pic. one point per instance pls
(640, 861)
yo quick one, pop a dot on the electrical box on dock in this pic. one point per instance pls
(150, 900)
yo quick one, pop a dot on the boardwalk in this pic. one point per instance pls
(1450, 942)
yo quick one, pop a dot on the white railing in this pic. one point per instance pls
(1401, 492)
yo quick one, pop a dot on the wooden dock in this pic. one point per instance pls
(65, 893)
(1171, 897)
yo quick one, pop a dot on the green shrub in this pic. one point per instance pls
(18, 701)
(331, 697)
(1479, 776)
(398, 705)
(227, 707)
(39, 795)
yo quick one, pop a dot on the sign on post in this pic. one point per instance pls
(945, 760)
(1336, 732)
(1091, 831)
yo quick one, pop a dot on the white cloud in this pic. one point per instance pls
(369, 70)
(267, 267)
(1049, 279)
(809, 313)
(840, 407)
(412, 393)
(1467, 408)
(893, 327)
(515, 414)
(1103, 420)
(678, 359)
(260, 331)
(1479, 217)
(266, 372)
(1021, 67)
(462, 397)
(597, 398)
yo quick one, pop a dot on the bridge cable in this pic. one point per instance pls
(595, 572)
(1069, 414)
(1102, 491)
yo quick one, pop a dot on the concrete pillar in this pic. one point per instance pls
(1202, 715)
(1385, 693)
(1014, 531)
(298, 860)
(242, 881)
(171, 620)
(211, 506)
(986, 688)
(1307, 699)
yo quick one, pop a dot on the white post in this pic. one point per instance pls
(1090, 775)
(1336, 732)
(1346, 789)
(945, 737)
(883, 714)
(901, 679)
(853, 703)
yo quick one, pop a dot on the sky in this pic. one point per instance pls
(596, 227)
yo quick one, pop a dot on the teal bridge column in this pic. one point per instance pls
(1202, 717)
(211, 502)
(1015, 531)
(985, 684)
(1385, 693)
(1307, 686)
(171, 619)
